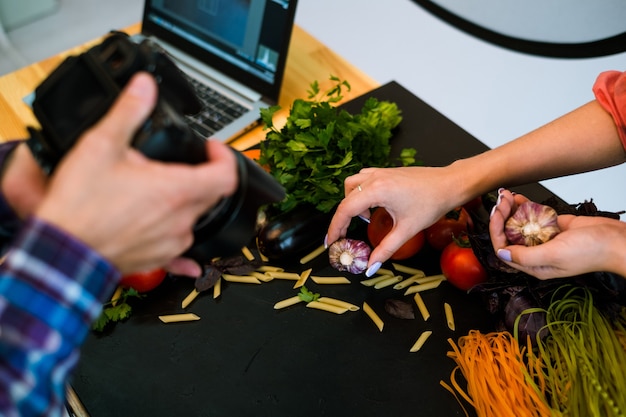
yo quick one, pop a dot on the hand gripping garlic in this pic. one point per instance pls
(349, 255)
(532, 224)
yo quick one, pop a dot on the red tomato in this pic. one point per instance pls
(380, 224)
(460, 266)
(144, 281)
(453, 224)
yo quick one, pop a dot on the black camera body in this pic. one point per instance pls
(82, 89)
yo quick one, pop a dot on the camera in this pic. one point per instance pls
(83, 88)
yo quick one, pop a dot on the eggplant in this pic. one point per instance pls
(293, 234)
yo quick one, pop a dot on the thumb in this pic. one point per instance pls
(130, 110)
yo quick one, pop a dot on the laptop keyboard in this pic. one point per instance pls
(217, 110)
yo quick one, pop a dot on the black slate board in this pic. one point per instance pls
(243, 358)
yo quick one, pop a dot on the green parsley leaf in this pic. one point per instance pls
(307, 296)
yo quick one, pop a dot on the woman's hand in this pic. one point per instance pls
(585, 244)
(415, 197)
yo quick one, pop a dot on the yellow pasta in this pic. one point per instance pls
(116, 296)
(287, 302)
(283, 275)
(217, 288)
(373, 281)
(431, 278)
(422, 287)
(244, 279)
(449, 316)
(246, 252)
(192, 296)
(269, 268)
(303, 277)
(261, 276)
(421, 306)
(326, 307)
(176, 318)
(384, 271)
(338, 303)
(330, 280)
(388, 282)
(408, 269)
(314, 254)
(409, 281)
(421, 340)
(372, 315)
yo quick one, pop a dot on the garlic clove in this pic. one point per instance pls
(532, 224)
(349, 255)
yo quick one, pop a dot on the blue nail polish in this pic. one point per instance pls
(365, 219)
(326, 242)
(505, 255)
(373, 269)
(493, 210)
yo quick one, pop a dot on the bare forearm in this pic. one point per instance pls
(585, 139)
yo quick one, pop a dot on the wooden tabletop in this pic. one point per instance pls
(308, 61)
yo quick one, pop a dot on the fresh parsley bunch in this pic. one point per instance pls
(320, 145)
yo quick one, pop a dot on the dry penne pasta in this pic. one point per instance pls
(407, 269)
(326, 307)
(246, 252)
(116, 296)
(338, 303)
(244, 279)
(303, 277)
(314, 254)
(217, 288)
(372, 281)
(449, 316)
(373, 316)
(261, 276)
(388, 282)
(330, 280)
(287, 302)
(384, 271)
(270, 268)
(421, 340)
(192, 296)
(410, 280)
(430, 278)
(422, 287)
(421, 306)
(283, 275)
(176, 318)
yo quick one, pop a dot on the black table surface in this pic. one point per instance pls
(243, 358)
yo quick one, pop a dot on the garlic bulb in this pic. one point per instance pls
(532, 224)
(349, 255)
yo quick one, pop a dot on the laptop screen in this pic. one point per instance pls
(245, 39)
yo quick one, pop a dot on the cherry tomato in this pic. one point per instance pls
(144, 281)
(452, 224)
(460, 266)
(381, 223)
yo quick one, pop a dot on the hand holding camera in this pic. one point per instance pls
(159, 187)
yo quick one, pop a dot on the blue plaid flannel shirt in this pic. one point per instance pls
(51, 289)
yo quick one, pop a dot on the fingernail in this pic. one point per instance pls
(326, 242)
(373, 269)
(504, 254)
(365, 219)
(493, 210)
(500, 190)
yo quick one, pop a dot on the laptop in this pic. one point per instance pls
(233, 52)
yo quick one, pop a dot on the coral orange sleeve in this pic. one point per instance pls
(610, 92)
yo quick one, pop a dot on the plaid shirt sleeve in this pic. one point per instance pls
(610, 91)
(51, 289)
